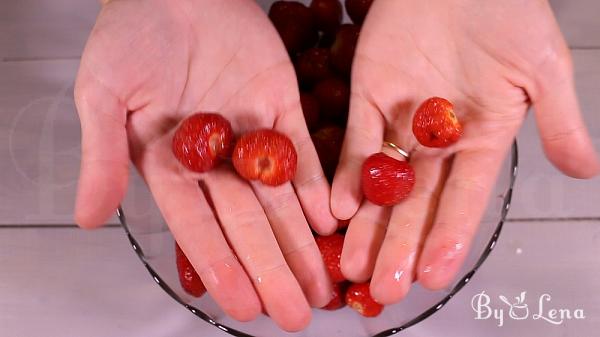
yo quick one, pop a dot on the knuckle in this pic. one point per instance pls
(282, 201)
(311, 180)
(300, 248)
(244, 219)
(464, 184)
(266, 269)
(562, 135)
(210, 265)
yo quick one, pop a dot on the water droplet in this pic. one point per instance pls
(398, 275)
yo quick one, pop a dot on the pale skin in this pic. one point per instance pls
(150, 63)
(493, 60)
(147, 65)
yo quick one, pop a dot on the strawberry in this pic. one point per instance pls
(312, 66)
(189, 279)
(328, 14)
(343, 223)
(357, 10)
(386, 181)
(202, 140)
(295, 23)
(265, 155)
(435, 124)
(342, 50)
(328, 143)
(333, 95)
(337, 299)
(331, 251)
(310, 108)
(358, 297)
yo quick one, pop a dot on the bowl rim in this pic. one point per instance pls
(514, 164)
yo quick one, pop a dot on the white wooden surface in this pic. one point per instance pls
(68, 282)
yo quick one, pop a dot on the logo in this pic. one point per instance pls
(519, 309)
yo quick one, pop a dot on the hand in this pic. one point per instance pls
(492, 59)
(146, 66)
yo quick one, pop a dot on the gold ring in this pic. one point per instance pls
(398, 149)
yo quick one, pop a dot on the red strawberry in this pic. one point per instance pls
(435, 124)
(328, 14)
(189, 279)
(265, 155)
(333, 95)
(201, 140)
(313, 65)
(295, 23)
(343, 223)
(358, 297)
(331, 250)
(337, 299)
(328, 143)
(358, 9)
(342, 50)
(310, 108)
(385, 180)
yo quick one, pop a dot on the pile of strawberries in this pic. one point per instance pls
(322, 49)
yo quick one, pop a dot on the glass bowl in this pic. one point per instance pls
(154, 245)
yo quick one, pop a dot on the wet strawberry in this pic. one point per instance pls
(358, 297)
(328, 143)
(386, 181)
(265, 155)
(337, 299)
(202, 140)
(435, 124)
(189, 279)
(295, 24)
(312, 66)
(328, 14)
(333, 95)
(310, 108)
(331, 250)
(342, 50)
(357, 10)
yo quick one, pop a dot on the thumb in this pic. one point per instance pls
(564, 135)
(105, 155)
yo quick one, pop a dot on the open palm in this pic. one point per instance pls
(492, 59)
(146, 66)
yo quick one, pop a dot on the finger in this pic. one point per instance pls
(296, 241)
(564, 135)
(462, 203)
(363, 238)
(104, 154)
(409, 222)
(195, 228)
(364, 136)
(310, 183)
(245, 225)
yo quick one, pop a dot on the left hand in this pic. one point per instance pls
(492, 59)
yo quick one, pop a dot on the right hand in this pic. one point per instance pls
(147, 65)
